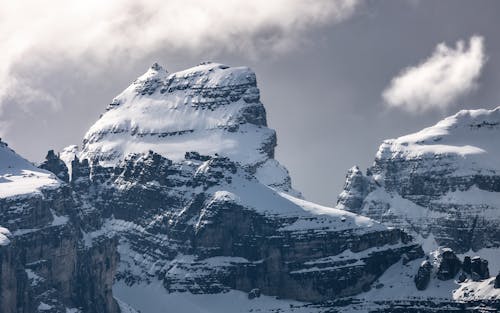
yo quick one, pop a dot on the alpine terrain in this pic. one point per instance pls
(174, 203)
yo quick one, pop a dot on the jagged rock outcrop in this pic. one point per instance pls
(479, 268)
(55, 165)
(442, 183)
(449, 265)
(423, 276)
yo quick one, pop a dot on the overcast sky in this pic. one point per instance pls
(336, 76)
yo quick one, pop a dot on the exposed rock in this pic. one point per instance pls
(462, 277)
(254, 293)
(423, 276)
(55, 165)
(233, 240)
(45, 263)
(466, 266)
(479, 268)
(449, 265)
(497, 281)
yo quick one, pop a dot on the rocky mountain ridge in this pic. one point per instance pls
(176, 201)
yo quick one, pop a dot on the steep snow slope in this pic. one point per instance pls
(212, 109)
(19, 177)
(470, 138)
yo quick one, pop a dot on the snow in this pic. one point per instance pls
(271, 173)
(19, 177)
(59, 219)
(33, 277)
(485, 203)
(480, 290)
(470, 137)
(268, 201)
(175, 122)
(400, 207)
(4, 236)
(44, 306)
(153, 298)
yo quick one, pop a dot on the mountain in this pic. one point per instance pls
(211, 108)
(45, 264)
(175, 203)
(442, 183)
(181, 166)
(442, 186)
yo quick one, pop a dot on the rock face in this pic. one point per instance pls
(204, 225)
(55, 165)
(479, 268)
(44, 262)
(442, 183)
(423, 276)
(449, 265)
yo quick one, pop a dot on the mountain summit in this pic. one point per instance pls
(211, 108)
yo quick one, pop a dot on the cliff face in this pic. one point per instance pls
(204, 225)
(44, 262)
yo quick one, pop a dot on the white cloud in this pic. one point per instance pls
(440, 80)
(35, 37)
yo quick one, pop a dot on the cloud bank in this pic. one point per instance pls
(36, 38)
(440, 80)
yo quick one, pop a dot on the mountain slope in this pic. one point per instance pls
(19, 177)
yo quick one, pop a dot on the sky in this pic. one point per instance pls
(337, 77)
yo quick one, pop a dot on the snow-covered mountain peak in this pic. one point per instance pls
(470, 136)
(441, 183)
(20, 177)
(212, 109)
